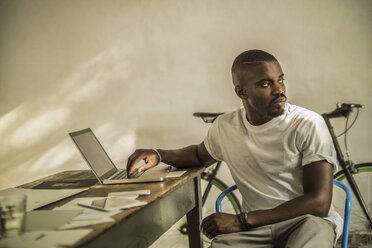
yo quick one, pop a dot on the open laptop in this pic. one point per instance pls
(101, 164)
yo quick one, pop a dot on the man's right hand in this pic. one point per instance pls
(150, 157)
(182, 158)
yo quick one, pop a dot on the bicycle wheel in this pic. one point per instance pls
(363, 178)
(176, 236)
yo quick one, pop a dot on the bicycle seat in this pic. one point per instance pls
(207, 117)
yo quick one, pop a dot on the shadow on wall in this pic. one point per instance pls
(34, 140)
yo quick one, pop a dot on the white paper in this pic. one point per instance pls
(73, 204)
(132, 197)
(87, 214)
(130, 194)
(49, 219)
(85, 223)
(175, 174)
(42, 239)
(113, 205)
(40, 197)
(115, 202)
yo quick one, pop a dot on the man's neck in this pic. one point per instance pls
(255, 119)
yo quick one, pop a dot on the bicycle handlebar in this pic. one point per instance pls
(342, 110)
(207, 117)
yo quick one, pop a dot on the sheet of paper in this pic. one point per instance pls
(43, 239)
(175, 174)
(73, 204)
(48, 219)
(90, 214)
(132, 197)
(87, 214)
(131, 194)
(40, 197)
(84, 223)
(115, 202)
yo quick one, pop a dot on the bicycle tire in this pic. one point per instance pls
(177, 237)
(362, 176)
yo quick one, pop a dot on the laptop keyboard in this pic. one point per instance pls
(123, 175)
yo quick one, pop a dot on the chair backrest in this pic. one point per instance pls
(347, 210)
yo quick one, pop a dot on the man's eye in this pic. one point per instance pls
(265, 84)
(281, 80)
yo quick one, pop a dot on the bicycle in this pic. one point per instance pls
(354, 174)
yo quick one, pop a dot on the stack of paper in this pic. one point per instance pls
(97, 210)
(125, 200)
(87, 216)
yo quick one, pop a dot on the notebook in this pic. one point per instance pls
(101, 164)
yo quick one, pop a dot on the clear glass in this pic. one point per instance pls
(12, 215)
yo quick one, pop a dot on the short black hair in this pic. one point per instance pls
(247, 59)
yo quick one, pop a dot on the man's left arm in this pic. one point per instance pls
(316, 200)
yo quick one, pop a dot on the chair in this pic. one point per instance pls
(347, 210)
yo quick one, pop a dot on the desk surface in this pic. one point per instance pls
(140, 226)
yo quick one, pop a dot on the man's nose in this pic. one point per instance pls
(278, 89)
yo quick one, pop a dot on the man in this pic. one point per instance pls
(281, 157)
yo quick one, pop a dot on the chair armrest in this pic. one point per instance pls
(347, 211)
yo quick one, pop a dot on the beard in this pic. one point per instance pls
(276, 109)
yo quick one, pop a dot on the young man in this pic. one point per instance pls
(281, 157)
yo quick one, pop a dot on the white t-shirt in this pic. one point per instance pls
(266, 161)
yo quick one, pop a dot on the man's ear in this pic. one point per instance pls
(240, 92)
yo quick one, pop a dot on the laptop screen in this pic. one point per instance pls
(93, 153)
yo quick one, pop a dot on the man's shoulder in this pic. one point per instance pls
(231, 116)
(302, 114)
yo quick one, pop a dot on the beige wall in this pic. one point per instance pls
(135, 71)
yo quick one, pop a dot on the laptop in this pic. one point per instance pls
(102, 166)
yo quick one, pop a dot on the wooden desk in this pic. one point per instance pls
(141, 226)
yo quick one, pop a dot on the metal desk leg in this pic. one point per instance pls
(194, 218)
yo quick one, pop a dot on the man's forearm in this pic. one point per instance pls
(222, 223)
(305, 204)
(181, 158)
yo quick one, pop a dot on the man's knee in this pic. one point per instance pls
(312, 231)
(260, 237)
(314, 222)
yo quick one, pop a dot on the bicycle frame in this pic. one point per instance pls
(210, 178)
(346, 169)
